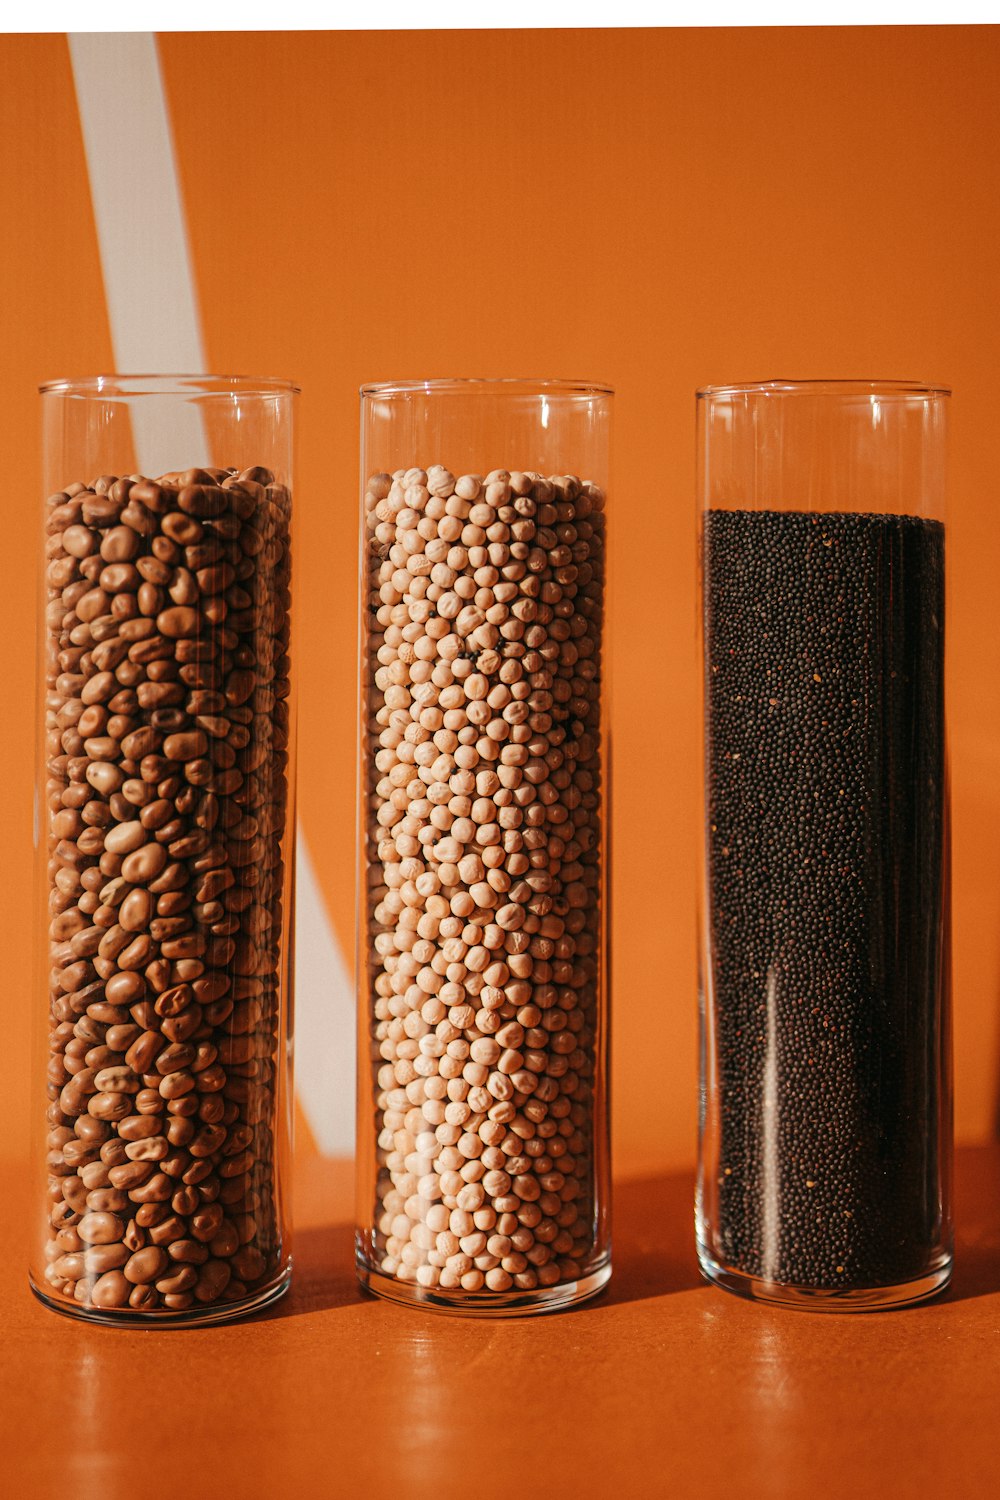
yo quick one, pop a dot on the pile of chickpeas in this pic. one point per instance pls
(165, 802)
(485, 875)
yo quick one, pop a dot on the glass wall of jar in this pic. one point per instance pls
(164, 848)
(825, 1165)
(483, 957)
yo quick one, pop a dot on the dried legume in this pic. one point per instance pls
(484, 900)
(166, 793)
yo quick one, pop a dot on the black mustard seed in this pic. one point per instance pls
(826, 842)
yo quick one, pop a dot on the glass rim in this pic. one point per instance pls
(508, 385)
(123, 387)
(845, 388)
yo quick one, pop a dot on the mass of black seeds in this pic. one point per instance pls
(824, 651)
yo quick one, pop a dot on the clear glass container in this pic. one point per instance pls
(164, 849)
(483, 953)
(826, 1101)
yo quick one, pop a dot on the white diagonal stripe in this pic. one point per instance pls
(156, 328)
(324, 1022)
(152, 307)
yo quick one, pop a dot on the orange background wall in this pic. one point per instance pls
(657, 209)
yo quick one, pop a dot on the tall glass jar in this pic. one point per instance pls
(483, 956)
(825, 1170)
(164, 843)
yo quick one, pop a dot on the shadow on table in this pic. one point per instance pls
(653, 1252)
(977, 1222)
(322, 1273)
(653, 1239)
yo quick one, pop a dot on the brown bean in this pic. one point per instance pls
(110, 1106)
(102, 1258)
(180, 620)
(188, 945)
(184, 530)
(136, 629)
(149, 494)
(178, 1055)
(79, 541)
(105, 777)
(136, 911)
(167, 1230)
(138, 952)
(70, 1267)
(181, 1280)
(158, 1189)
(174, 1000)
(131, 1175)
(143, 864)
(153, 1148)
(92, 604)
(180, 1028)
(208, 1140)
(139, 518)
(212, 580)
(124, 988)
(213, 1279)
(106, 1201)
(107, 657)
(189, 1252)
(110, 1290)
(123, 838)
(146, 1265)
(176, 1085)
(142, 1054)
(185, 747)
(119, 544)
(154, 695)
(100, 1229)
(119, 577)
(140, 742)
(183, 587)
(199, 498)
(173, 878)
(138, 1128)
(118, 1079)
(94, 1175)
(226, 1241)
(248, 1263)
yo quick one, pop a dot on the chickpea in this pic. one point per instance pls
(485, 815)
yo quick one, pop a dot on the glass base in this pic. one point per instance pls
(190, 1317)
(827, 1299)
(486, 1304)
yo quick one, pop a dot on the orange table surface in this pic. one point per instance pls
(661, 1387)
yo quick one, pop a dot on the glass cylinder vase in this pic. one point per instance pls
(483, 958)
(825, 1162)
(164, 840)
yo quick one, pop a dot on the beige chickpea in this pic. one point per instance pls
(486, 818)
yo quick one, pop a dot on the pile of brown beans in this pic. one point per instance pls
(486, 598)
(166, 792)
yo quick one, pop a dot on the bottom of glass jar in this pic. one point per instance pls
(190, 1317)
(826, 1299)
(487, 1304)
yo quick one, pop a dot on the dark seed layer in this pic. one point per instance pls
(826, 808)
